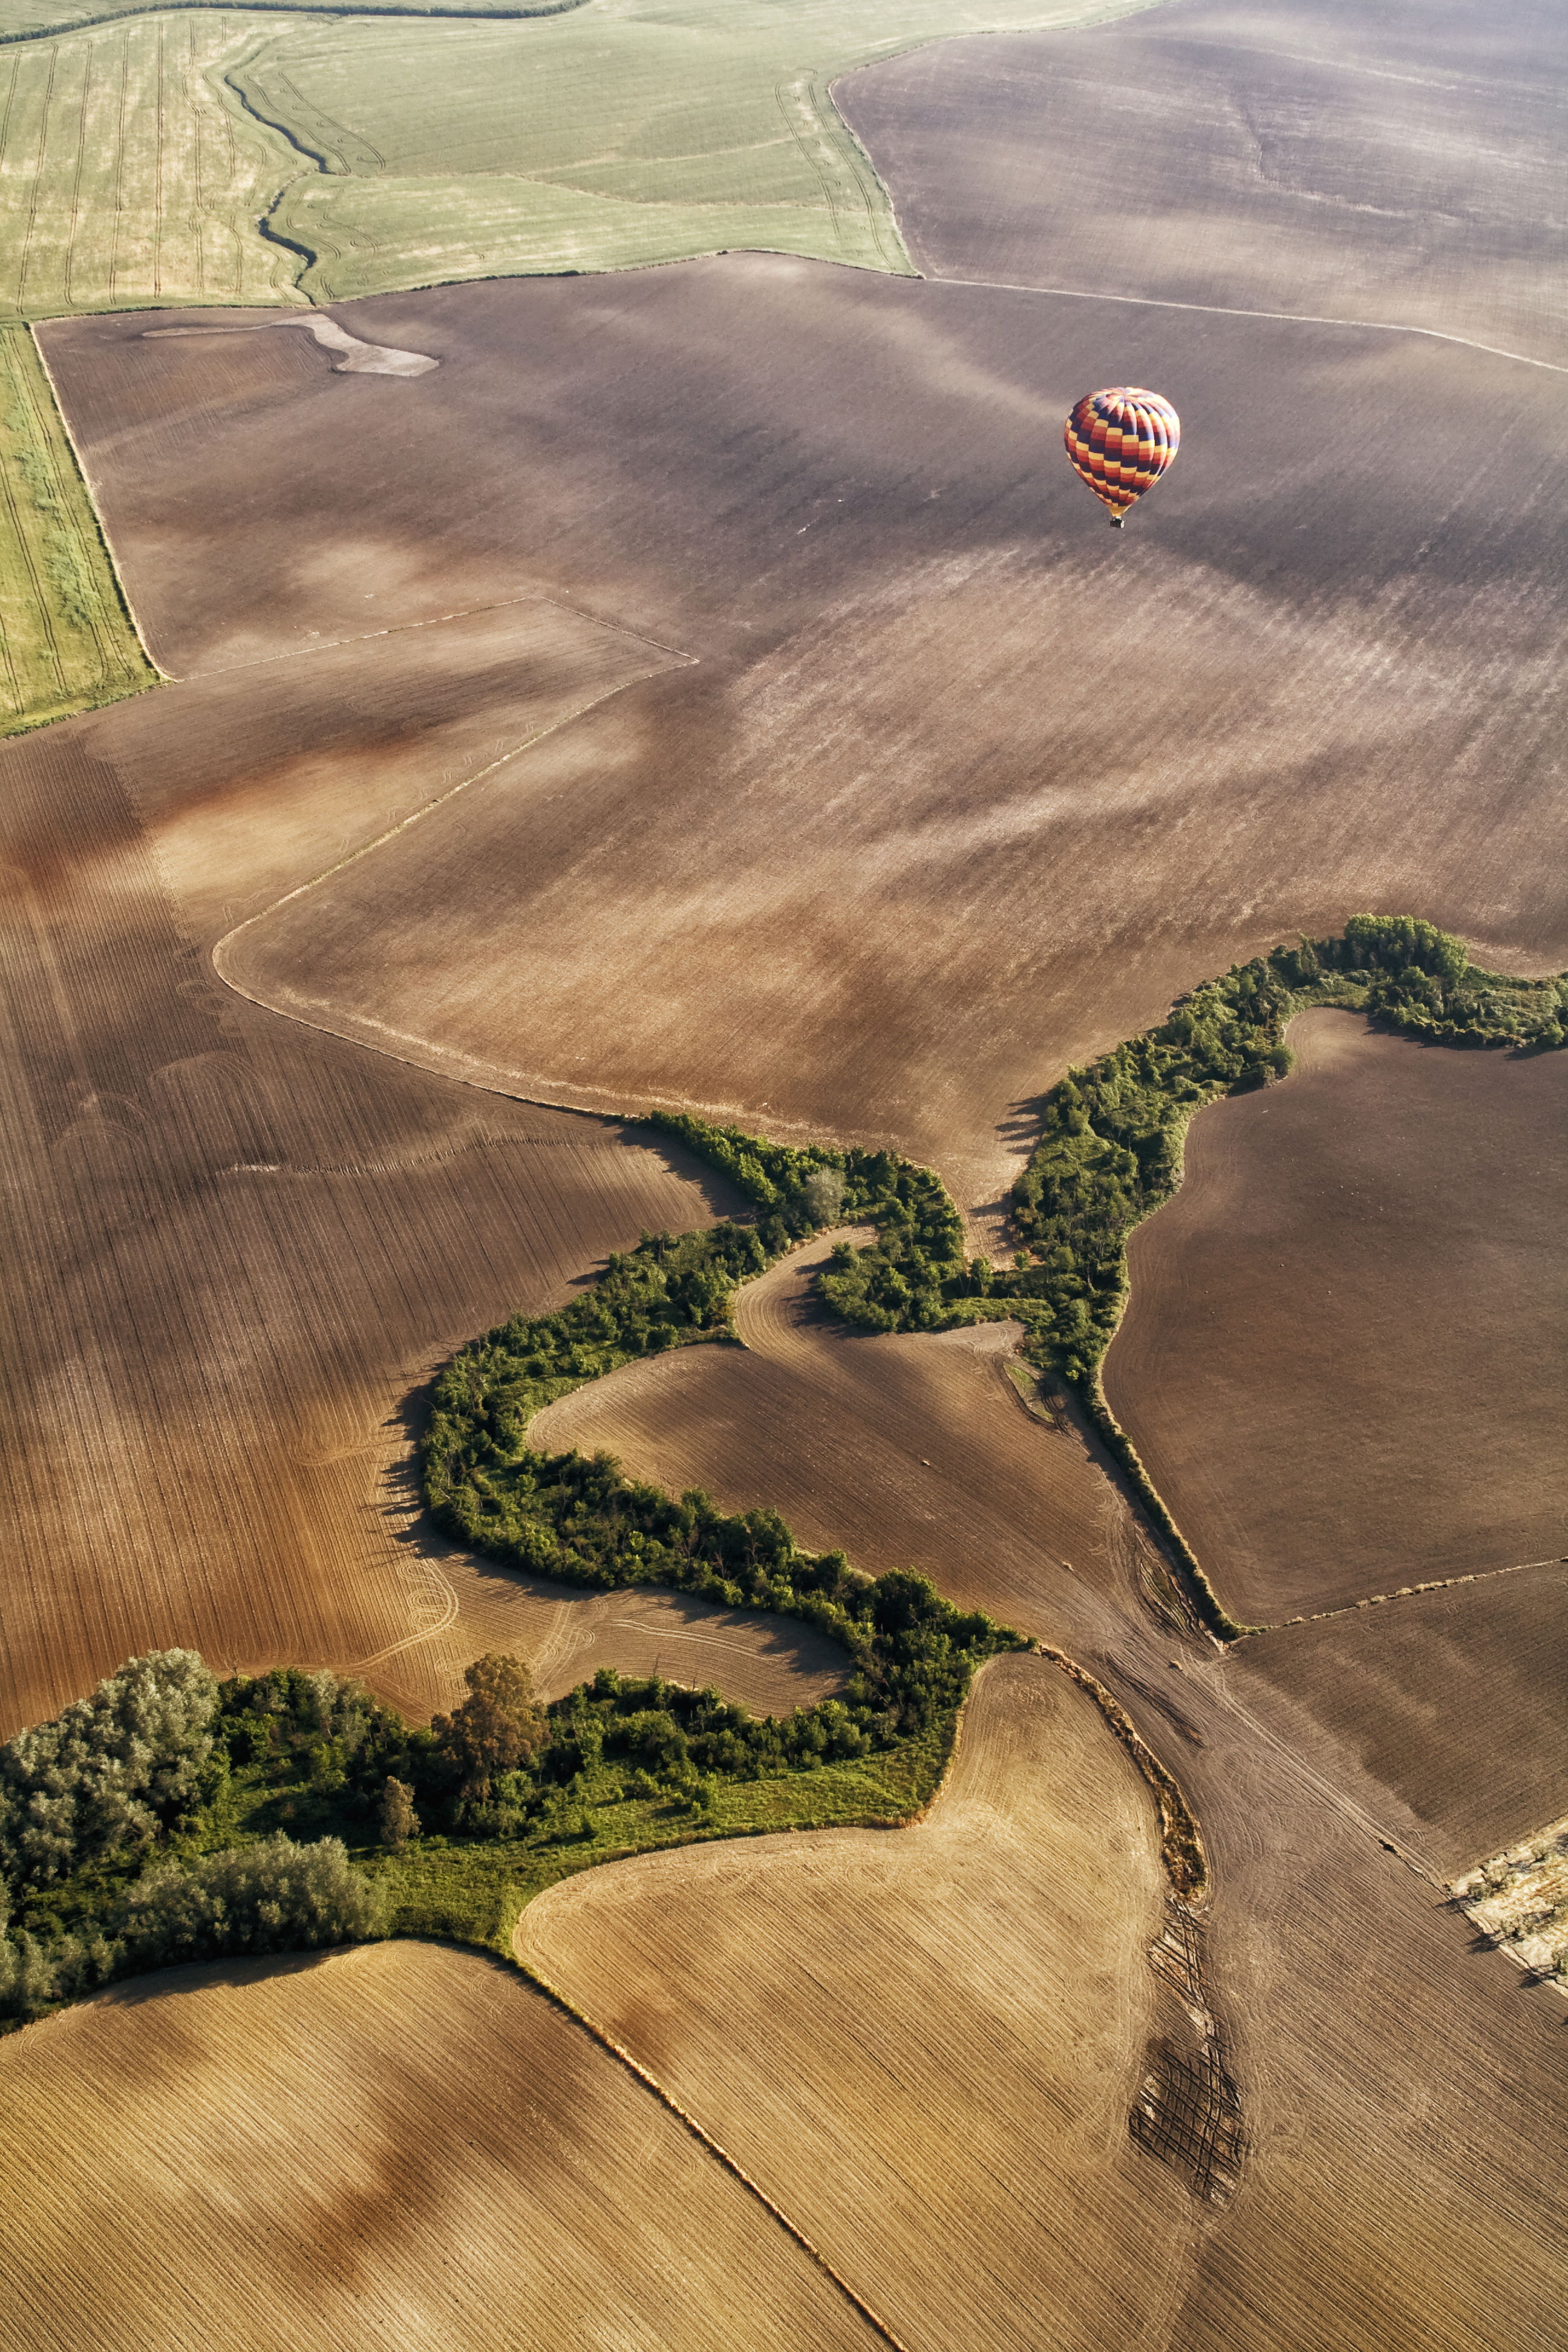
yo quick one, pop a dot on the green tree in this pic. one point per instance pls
(497, 1726)
(399, 1821)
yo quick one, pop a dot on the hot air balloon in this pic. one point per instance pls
(1121, 442)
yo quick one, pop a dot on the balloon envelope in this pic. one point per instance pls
(1121, 441)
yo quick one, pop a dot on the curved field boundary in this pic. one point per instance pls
(699, 2131)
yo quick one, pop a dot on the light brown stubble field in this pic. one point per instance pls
(1401, 2090)
(398, 2146)
(923, 2045)
(958, 787)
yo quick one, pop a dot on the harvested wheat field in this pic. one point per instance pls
(889, 796)
(1343, 1359)
(1403, 2089)
(923, 2043)
(1399, 166)
(396, 2146)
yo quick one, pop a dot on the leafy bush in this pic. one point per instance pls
(273, 1898)
(112, 1773)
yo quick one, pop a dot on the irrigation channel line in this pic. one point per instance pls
(715, 2148)
(1230, 311)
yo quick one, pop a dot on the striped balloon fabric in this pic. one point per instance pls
(1121, 441)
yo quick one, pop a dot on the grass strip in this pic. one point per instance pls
(67, 639)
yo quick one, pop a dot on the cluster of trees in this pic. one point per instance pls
(113, 1774)
(1110, 1152)
(578, 1519)
(145, 1825)
(101, 1867)
(1420, 980)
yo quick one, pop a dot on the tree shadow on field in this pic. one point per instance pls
(197, 1976)
(1017, 1131)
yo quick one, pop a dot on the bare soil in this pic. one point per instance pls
(1403, 2087)
(1344, 1359)
(235, 1245)
(897, 847)
(959, 789)
(1397, 166)
(399, 2145)
(903, 1452)
(1398, 2086)
(1453, 1700)
(922, 2043)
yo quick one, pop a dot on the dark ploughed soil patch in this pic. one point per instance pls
(1399, 164)
(1344, 1357)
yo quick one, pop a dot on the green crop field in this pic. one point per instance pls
(131, 173)
(65, 641)
(622, 132)
(140, 156)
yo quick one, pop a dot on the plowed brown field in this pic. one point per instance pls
(923, 2043)
(861, 825)
(400, 2146)
(1398, 164)
(769, 1664)
(905, 1452)
(1404, 2090)
(235, 1246)
(1344, 1359)
(1453, 1700)
(897, 847)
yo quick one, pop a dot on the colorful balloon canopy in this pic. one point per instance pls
(1121, 442)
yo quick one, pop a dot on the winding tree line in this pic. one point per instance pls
(1110, 1152)
(157, 1820)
